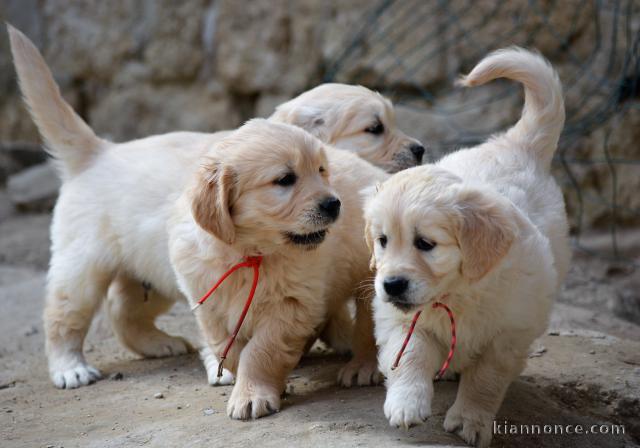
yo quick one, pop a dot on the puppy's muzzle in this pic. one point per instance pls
(396, 287)
(329, 207)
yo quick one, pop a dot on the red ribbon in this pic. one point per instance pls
(249, 262)
(447, 361)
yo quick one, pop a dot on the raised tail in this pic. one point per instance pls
(67, 137)
(543, 114)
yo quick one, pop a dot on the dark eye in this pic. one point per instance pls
(382, 239)
(286, 180)
(424, 245)
(376, 129)
(321, 169)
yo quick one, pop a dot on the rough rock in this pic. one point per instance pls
(6, 207)
(174, 49)
(132, 68)
(16, 125)
(141, 111)
(14, 157)
(267, 46)
(91, 39)
(24, 240)
(267, 103)
(34, 189)
(626, 303)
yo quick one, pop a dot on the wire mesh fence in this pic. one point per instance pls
(412, 50)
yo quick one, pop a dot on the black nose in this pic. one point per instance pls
(418, 151)
(330, 207)
(395, 286)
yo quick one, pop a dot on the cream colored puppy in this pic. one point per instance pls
(356, 119)
(135, 300)
(275, 193)
(485, 231)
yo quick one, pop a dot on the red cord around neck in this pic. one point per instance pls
(447, 361)
(249, 262)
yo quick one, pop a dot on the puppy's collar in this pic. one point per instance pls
(248, 262)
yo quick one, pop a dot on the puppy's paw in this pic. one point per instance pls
(252, 401)
(161, 345)
(215, 380)
(76, 376)
(474, 427)
(211, 364)
(407, 406)
(364, 372)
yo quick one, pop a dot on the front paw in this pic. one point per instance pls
(473, 426)
(364, 371)
(251, 401)
(407, 406)
(73, 374)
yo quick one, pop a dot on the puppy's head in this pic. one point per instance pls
(265, 185)
(428, 233)
(356, 119)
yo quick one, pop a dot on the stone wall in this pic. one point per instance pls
(137, 67)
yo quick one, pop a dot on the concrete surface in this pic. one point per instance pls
(587, 372)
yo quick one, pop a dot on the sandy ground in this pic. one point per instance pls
(588, 373)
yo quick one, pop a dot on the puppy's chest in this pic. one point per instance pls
(280, 288)
(474, 330)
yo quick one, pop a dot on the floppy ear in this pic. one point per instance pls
(367, 194)
(369, 240)
(485, 233)
(311, 119)
(212, 201)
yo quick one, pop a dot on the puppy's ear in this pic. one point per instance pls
(211, 203)
(369, 240)
(485, 232)
(311, 119)
(367, 194)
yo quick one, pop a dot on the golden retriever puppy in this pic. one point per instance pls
(266, 188)
(356, 119)
(484, 230)
(272, 190)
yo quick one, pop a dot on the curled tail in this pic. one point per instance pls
(542, 117)
(67, 137)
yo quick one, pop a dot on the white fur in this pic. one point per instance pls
(500, 314)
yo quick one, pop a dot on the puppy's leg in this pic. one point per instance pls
(364, 364)
(133, 313)
(76, 285)
(216, 337)
(211, 363)
(266, 361)
(410, 386)
(338, 332)
(481, 391)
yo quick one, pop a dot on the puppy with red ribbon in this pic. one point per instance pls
(482, 234)
(268, 231)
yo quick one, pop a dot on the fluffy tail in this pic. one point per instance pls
(542, 118)
(67, 137)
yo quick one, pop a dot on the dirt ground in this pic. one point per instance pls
(587, 372)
